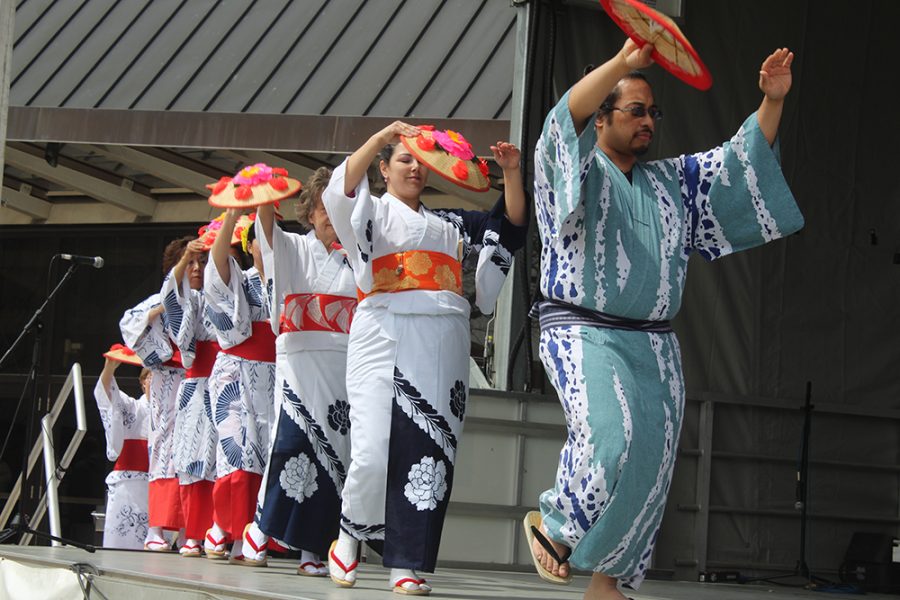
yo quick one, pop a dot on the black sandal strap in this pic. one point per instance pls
(545, 543)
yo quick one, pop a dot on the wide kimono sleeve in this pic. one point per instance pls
(183, 316)
(228, 305)
(489, 240)
(117, 412)
(562, 161)
(283, 260)
(736, 196)
(353, 219)
(145, 335)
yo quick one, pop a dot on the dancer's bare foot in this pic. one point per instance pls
(603, 588)
(547, 560)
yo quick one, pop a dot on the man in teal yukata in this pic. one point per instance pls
(617, 235)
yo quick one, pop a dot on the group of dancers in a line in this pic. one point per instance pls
(269, 420)
(330, 435)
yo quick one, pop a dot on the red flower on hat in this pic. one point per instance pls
(278, 183)
(426, 127)
(220, 185)
(483, 166)
(243, 192)
(461, 170)
(425, 143)
(279, 171)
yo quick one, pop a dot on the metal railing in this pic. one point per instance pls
(53, 471)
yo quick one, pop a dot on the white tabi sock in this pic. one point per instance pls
(413, 581)
(310, 561)
(218, 534)
(254, 536)
(345, 550)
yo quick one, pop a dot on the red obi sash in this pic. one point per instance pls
(415, 270)
(204, 358)
(260, 346)
(317, 312)
(175, 361)
(133, 457)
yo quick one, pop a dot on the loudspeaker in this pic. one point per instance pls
(868, 563)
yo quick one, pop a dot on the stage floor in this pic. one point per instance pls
(136, 575)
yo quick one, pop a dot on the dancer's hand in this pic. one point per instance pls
(391, 134)
(775, 74)
(506, 155)
(635, 57)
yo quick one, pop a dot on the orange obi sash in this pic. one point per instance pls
(415, 270)
(317, 312)
(204, 358)
(133, 457)
(260, 346)
(175, 361)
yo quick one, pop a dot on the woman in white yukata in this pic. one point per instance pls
(408, 354)
(241, 383)
(144, 330)
(192, 332)
(126, 422)
(313, 300)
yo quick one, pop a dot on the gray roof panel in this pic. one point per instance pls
(390, 58)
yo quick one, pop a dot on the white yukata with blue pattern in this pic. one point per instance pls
(241, 390)
(195, 431)
(127, 515)
(622, 248)
(149, 339)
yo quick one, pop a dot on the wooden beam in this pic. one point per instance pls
(25, 203)
(162, 169)
(70, 178)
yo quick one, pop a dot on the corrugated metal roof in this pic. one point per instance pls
(414, 58)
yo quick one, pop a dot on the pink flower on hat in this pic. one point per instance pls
(253, 175)
(454, 143)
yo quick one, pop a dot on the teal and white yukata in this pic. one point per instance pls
(621, 248)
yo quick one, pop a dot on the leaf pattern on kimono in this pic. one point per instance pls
(174, 313)
(433, 423)
(229, 396)
(233, 452)
(362, 532)
(219, 320)
(187, 390)
(298, 413)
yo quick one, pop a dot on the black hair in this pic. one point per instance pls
(386, 153)
(606, 107)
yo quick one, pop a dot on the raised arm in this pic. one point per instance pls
(359, 161)
(591, 90)
(222, 245)
(193, 249)
(265, 216)
(774, 82)
(107, 375)
(507, 157)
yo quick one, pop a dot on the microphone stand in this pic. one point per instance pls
(36, 326)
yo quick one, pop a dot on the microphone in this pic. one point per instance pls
(94, 261)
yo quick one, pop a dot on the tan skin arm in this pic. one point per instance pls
(774, 82)
(359, 161)
(265, 215)
(221, 248)
(592, 89)
(508, 157)
(107, 374)
(193, 249)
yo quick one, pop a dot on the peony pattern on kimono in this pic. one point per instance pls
(298, 478)
(427, 483)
